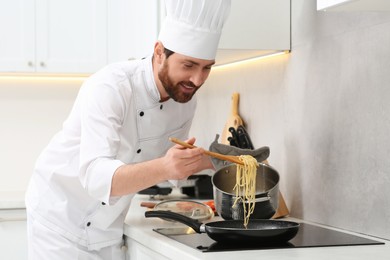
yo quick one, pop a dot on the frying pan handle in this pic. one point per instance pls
(194, 224)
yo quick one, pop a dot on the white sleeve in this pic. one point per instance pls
(102, 112)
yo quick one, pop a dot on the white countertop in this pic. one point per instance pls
(12, 200)
(140, 229)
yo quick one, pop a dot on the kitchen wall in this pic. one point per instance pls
(31, 111)
(324, 111)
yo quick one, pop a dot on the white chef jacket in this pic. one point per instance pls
(116, 119)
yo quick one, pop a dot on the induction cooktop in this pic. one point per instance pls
(307, 236)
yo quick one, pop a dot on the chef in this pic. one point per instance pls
(115, 141)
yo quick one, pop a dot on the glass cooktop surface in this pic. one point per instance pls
(307, 236)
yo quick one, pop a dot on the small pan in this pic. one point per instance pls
(233, 231)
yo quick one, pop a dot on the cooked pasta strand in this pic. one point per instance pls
(245, 187)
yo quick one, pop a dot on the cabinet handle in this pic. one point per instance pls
(30, 64)
(42, 64)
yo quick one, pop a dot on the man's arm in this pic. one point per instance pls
(177, 164)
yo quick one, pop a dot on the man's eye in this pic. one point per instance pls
(188, 65)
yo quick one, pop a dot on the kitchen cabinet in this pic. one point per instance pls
(137, 251)
(255, 28)
(133, 28)
(353, 5)
(17, 45)
(53, 36)
(13, 234)
(43, 36)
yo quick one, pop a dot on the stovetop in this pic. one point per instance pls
(307, 236)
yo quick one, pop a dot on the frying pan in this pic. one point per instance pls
(233, 231)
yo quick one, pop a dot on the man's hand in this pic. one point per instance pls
(180, 162)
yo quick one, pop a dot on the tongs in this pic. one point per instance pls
(230, 158)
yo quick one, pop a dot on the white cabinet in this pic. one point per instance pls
(70, 35)
(13, 234)
(255, 28)
(133, 28)
(353, 5)
(137, 251)
(53, 36)
(74, 36)
(17, 27)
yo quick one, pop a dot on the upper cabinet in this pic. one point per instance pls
(74, 37)
(17, 30)
(53, 36)
(133, 28)
(43, 36)
(353, 5)
(255, 28)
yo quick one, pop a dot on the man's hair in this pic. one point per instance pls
(168, 52)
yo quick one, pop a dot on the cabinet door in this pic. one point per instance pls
(255, 28)
(133, 28)
(17, 35)
(71, 36)
(13, 234)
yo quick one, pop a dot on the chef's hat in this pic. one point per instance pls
(193, 27)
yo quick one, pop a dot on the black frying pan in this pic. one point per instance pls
(258, 230)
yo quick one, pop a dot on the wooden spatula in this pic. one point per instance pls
(230, 158)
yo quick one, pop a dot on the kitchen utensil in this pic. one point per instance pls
(230, 158)
(233, 139)
(234, 120)
(233, 231)
(192, 209)
(244, 140)
(267, 193)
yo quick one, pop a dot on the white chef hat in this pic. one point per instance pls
(193, 27)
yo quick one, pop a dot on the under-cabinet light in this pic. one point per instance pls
(44, 77)
(236, 63)
(82, 77)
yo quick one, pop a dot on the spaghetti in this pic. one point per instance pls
(245, 187)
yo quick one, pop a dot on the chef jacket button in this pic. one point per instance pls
(88, 224)
(161, 107)
(103, 203)
(142, 113)
(139, 150)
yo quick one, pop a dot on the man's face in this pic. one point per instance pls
(181, 76)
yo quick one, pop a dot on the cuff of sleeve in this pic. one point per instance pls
(100, 179)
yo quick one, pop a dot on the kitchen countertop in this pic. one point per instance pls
(140, 229)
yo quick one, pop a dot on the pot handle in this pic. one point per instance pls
(193, 223)
(260, 199)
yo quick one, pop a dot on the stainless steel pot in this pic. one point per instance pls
(267, 193)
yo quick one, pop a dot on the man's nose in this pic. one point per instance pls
(198, 78)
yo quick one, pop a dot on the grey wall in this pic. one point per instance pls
(324, 110)
(31, 112)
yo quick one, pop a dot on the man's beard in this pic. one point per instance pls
(172, 89)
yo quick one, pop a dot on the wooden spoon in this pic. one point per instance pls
(230, 158)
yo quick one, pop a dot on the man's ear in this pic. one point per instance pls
(159, 52)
